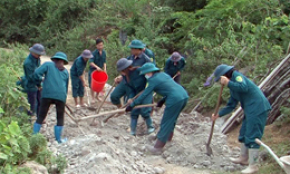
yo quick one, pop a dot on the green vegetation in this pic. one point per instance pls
(250, 34)
(17, 145)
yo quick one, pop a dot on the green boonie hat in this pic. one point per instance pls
(136, 44)
(61, 56)
(147, 68)
(221, 70)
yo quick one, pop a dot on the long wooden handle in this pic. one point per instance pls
(115, 111)
(114, 84)
(215, 112)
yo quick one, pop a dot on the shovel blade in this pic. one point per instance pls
(208, 150)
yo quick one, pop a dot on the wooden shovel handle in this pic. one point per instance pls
(115, 111)
(215, 113)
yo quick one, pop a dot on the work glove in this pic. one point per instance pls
(160, 103)
(129, 108)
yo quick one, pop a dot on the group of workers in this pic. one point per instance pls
(140, 76)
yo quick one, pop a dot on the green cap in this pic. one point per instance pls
(147, 68)
(61, 56)
(221, 70)
(136, 44)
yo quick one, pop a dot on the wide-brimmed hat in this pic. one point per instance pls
(137, 44)
(221, 70)
(123, 63)
(175, 57)
(61, 56)
(87, 54)
(37, 49)
(147, 68)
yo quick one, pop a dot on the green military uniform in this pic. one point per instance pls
(31, 85)
(29, 66)
(121, 89)
(76, 71)
(53, 88)
(255, 106)
(175, 100)
(150, 54)
(98, 60)
(172, 69)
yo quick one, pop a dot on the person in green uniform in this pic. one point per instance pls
(33, 86)
(98, 62)
(256, 108)
(135, 83)
(77, 77)
(174, 96)
(139, 58)
(174, 65)
(55, 87)
(150, 54)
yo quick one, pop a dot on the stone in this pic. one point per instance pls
(206, 163)
(35, 168)
(159, 170)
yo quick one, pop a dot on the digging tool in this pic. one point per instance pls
(69, 109)
(89, 102)
(98, 111)
(114, 112)
(75, 121)
(127, 104)
(208, 148)
(284, 161)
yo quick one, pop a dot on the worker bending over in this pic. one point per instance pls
(174, 96)
(256, 108)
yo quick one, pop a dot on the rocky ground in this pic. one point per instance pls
(109, 148)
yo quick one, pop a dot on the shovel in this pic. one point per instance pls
(114, 112)
(208, 148)
(284, 161)
(99, 109)
(115, 115)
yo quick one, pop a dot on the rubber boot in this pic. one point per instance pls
(133, 127)
(36, 128)
(157, 149)
(150, 127)
(57, 134)
(244, 156)
(253, 162)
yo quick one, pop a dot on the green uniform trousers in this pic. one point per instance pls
(77, 87)
(169, 119)
(253, 127)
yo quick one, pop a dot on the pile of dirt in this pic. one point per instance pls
(110, 148)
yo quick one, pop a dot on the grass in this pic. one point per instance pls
(276, 136)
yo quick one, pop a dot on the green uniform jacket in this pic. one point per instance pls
(150, 54)
(137, 82)
(164, 85)
(30, 65)
(171, 69)
(248, 94)
(78, 67)
(98, 59)
(55, 84)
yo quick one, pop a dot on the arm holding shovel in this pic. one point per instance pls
(231, 105)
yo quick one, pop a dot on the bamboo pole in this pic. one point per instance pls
(114, 112)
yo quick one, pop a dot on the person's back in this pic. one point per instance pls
(165, 86)
(78, 67)
(249, 95)
(55, 83)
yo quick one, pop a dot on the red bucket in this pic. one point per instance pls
(99, 79)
